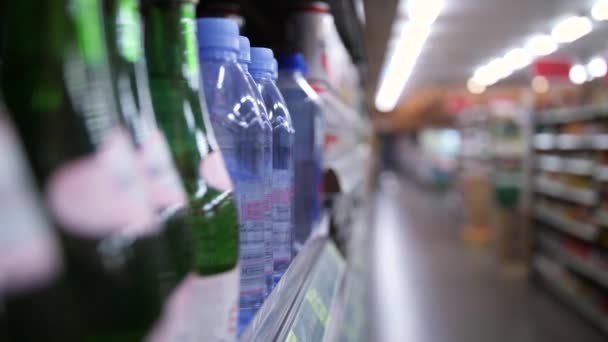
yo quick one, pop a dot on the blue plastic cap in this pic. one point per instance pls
(217, 33)
(294, 61)
(244, 50)
(262, 59)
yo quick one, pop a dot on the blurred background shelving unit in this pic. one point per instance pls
(571, 256)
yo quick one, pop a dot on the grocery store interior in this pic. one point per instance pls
(398, 170)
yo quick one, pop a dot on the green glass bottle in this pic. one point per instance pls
(171, 55)
(56, 83)
(130, 86)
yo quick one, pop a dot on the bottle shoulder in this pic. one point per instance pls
(278, 113)
(231, 100)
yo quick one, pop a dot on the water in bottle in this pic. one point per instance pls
(244, 60)
(239, 130)
(263, 69)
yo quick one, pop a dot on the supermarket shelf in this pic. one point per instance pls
(562, 142)
(572, 114)
(299, 306)
(575, 263)
(601, 217)
(565, 192)
(544, 141)
(587, 232)
(574, 166)
(599, 141)
(571, 298)
(601, 173)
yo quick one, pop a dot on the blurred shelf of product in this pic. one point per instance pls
(569, 196)
(584, 297)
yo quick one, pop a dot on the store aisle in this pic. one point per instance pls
(459, 293)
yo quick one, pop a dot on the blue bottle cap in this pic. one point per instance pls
(244, 50)
(293, 61)
(217, 33)
(262, 59)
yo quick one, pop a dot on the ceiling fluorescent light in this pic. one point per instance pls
(541, 45)
(599, 11)
(578, 74)
(499, 68)
(400, 65)
(597, 67)
(474, 87)
(517, 58)
(571, 29)
(423, 11)
(484, 76)
(540, 84)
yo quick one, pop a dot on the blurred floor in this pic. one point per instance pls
(458, 292)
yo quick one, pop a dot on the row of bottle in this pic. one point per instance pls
(137, 234)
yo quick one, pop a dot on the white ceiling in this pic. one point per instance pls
(469, 33)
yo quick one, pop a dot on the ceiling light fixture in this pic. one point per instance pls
(597, 67)
(474, 87)
(499, 68)
(540, 84)
(400, 65)
(484, 76)
(541, 45)
(571, 29)
(599, 11)
(578, 74)
(517, 58)
(424, 12)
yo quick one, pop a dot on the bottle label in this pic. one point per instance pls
(162, 182)
(101, 194)
(268, 252)
(268, 237)
(251, 201)
(213, 170)
(29, 255)
(282, 217)
(202, 308)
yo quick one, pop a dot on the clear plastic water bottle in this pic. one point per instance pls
(305, 108)
(244, 59)
(239, 132)
(263, 69)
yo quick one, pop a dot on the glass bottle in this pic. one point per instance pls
(56, 83)
(171, 55)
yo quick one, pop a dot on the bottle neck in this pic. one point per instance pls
(262, 75)
(218, 54)
(174, 75)
(123, 32)
(244, 66)
(170, 40)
